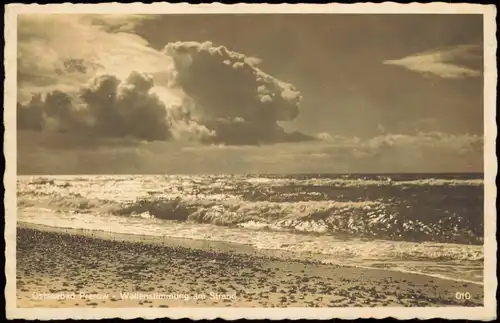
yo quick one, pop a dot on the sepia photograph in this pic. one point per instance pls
(279, 160)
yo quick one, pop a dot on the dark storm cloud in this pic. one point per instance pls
(54, 112)
(232, 96)
(126, 108)
(106, 107)
(30, 115)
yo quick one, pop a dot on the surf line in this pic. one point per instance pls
(419, 273)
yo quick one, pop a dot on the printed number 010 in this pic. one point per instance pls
(460, 295)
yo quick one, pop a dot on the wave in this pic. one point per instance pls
(366, 219)
(353, 219)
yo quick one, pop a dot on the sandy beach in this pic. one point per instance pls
(70, 268)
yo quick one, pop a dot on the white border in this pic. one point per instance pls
(488, 312)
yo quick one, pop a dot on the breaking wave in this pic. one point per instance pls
(370, 219)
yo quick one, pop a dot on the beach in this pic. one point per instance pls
(59, 267)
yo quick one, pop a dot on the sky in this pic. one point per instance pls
(302, 93)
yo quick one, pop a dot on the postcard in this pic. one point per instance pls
(250, 161)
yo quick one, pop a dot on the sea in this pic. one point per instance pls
(429, 224)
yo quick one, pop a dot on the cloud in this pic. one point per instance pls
(233, 97)
(30, 116)
(62, 52)
(456, 62)
(339, 140)
(391, 153)
(127, 108)
(54, 111)
(106, 107)
(206, 93)
(459, 144)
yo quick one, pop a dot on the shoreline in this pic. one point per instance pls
(237, 248)
(57, 260)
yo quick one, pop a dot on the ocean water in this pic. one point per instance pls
(430, 224)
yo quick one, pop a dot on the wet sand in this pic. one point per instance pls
(71, 268)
